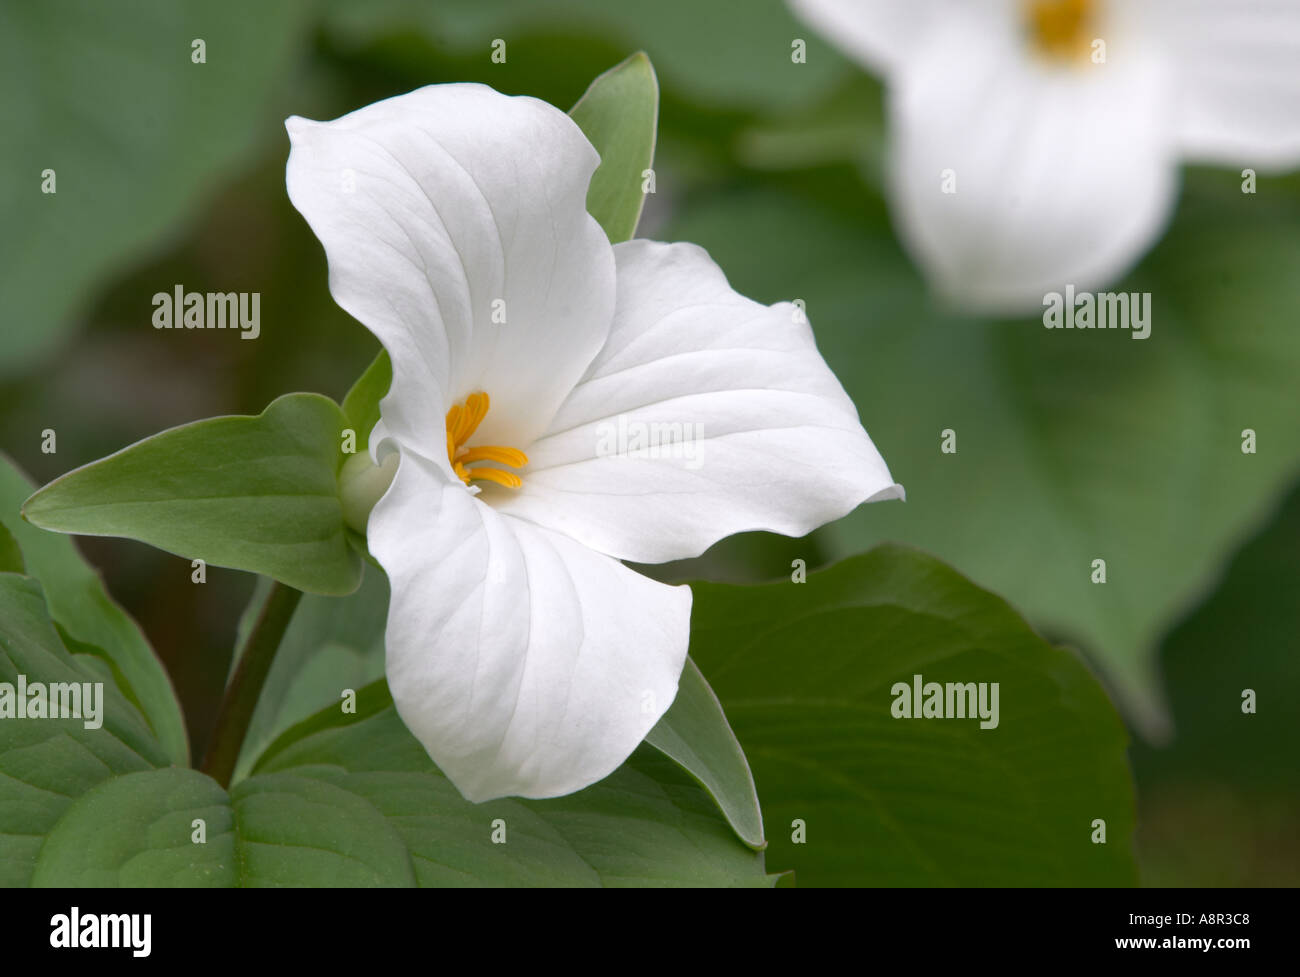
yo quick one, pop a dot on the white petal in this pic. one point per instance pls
(442, 211)
(525, 663)
(882, 34)
(1062, 175)
(1238, 78)
(754, 431)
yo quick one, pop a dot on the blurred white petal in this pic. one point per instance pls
(1063, 175)
(1237, 65)
(884, 34)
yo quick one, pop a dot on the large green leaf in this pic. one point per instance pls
(619, 113)
(45, 763)
(106, 95)
(285, 830)
(354, 803)
(323, 826)
(882, 800)
(253, 493)
(85, 613)
(646, 824)
(138, 829)
(1072, 446)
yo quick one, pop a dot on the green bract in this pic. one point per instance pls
(695, 733)
(361, 405)
(619, 114)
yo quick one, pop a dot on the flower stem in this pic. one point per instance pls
(246, 685)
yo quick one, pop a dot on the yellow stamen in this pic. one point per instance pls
(511, 457)
(462, 421)
(508, 479)
(1063, 30)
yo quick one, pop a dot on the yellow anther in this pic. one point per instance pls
(462, 421)
(1062, 29)
(511, 457)
(508, 479)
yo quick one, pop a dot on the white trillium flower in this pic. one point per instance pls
(520, 651)
(1059, 124)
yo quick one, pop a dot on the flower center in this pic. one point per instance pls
(462, 421)
(1061, 29)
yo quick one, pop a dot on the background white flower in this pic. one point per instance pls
(1065, 166)
(525, 657)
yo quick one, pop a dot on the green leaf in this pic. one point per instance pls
(321, 826)
(1071, 445)
(11, 557)
(331, 644)
(45, 763)
(137, 829)
(136, 133)
(345, 799)
(371, 700)
(102, 807)
(85, 614)
(619, 113)
(695, 733)
(646, 824)
(807, 681)
(361, 405)
(358, 803)
(253, 493)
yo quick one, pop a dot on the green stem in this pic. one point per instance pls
(246, 685)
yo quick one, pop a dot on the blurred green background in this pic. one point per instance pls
(1071, 446)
